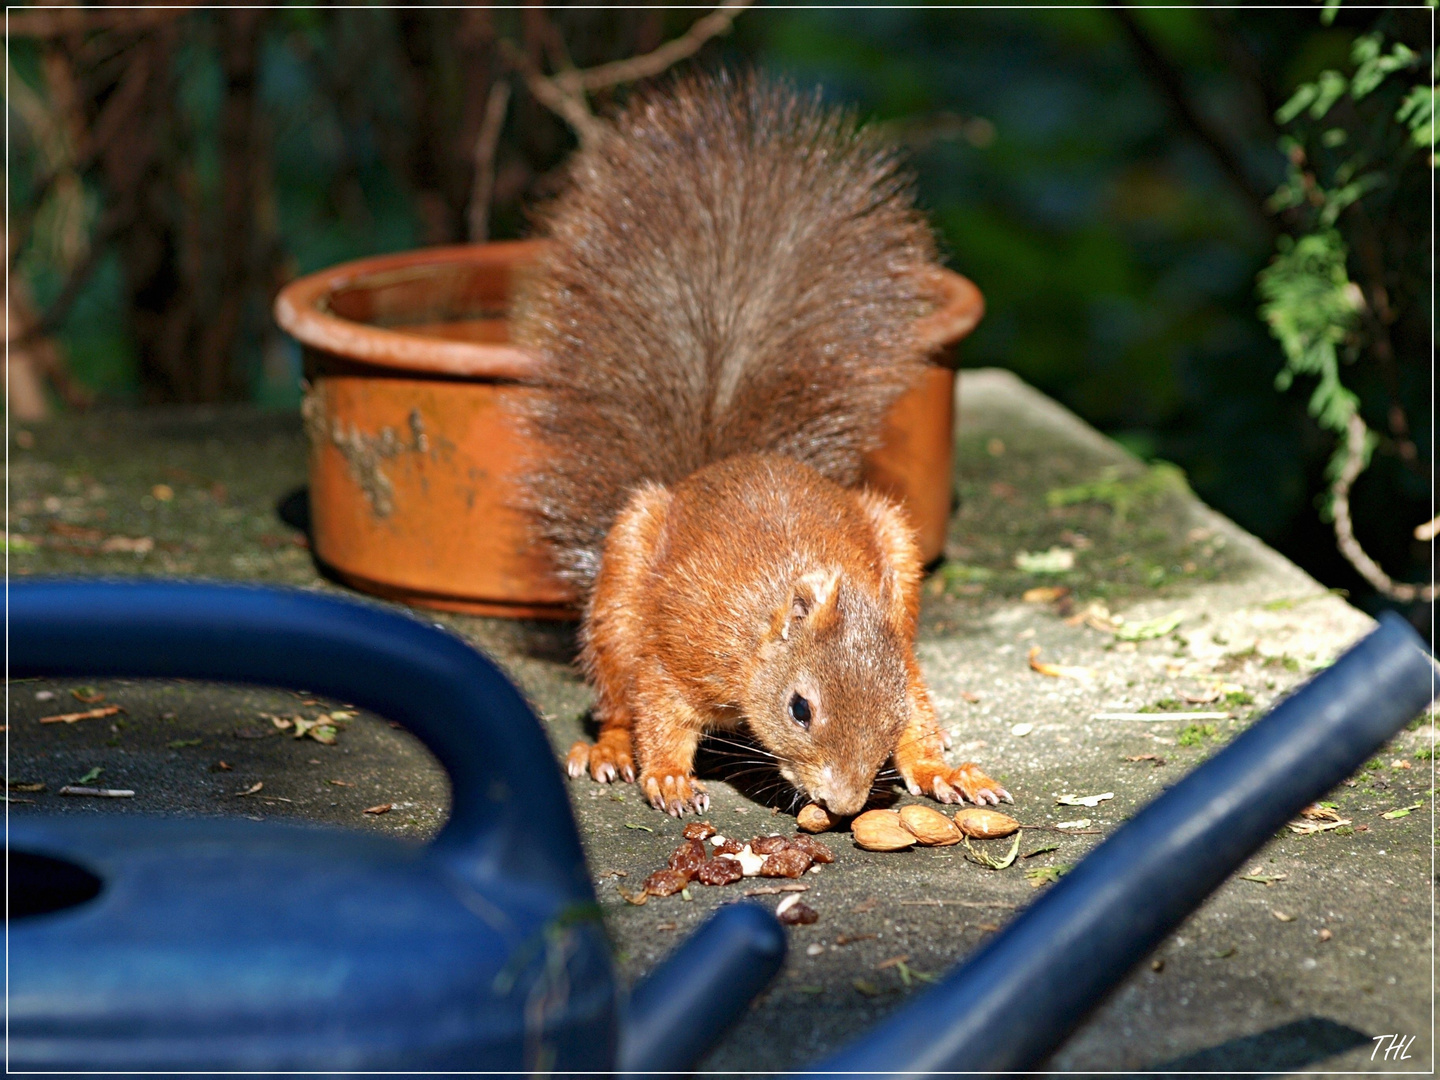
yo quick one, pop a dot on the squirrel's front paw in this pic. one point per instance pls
(675, 794)
(608, 759)
(947, 785)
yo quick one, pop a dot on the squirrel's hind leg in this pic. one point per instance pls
(612, 634)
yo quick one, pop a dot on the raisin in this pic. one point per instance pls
(812, 847)
(719, 871)
(792, 862)
(686, 858)
(768, 845)
(665, 882)
(699, 830)
(730, 847)
(799, 913)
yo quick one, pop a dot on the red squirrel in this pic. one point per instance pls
(723, 317)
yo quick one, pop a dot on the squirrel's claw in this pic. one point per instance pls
(947, 785)
(604, 761)
(943, 792)
(675, 795)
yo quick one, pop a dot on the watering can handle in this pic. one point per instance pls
(509, 809)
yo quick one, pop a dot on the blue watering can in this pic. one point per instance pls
(140, 945)
(154, 944)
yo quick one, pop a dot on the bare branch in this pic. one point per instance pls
(604, 76)
(483, 188)
(564, 92)
(1404, 592)
(569, 106)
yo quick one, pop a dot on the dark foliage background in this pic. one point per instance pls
(1104, 175)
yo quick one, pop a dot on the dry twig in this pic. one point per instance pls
(1404, 592)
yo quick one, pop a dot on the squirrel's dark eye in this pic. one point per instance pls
(800, 711)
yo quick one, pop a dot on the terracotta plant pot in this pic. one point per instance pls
(412, 453)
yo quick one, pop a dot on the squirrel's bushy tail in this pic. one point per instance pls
(734, 269)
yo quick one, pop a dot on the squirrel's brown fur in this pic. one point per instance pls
(734, 268)
(725, 313)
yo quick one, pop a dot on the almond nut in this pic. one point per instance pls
(814, 818)
(985, 824)
(881, 830)
(930, 827)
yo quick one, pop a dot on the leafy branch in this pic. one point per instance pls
(1320, 316)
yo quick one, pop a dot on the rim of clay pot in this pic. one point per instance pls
(302, 309)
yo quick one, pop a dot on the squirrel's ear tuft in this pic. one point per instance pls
(812, 599)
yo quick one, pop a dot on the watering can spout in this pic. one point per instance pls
(682, 1008)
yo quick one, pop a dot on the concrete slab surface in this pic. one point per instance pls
(1326, 944)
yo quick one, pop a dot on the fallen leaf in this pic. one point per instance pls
(340, 783)
(1281, 915)
(1087, 801)
(1156, 758)
(851, 939)
(984, 859)
(284, 723)
(1320, 812)
(636, 898)
(19, 785)
(128, 545)
(776, 890)
(1263, 879)
(92, 714)
(906, 973)
(1058, 671)
(1225, 953)
(1154, 628)
(1097, 616)
(1041, 851)
(87, 695)
(250, 790)
(1044, 875)
(1044, 594)
(162, 492)
(1305, 828)
(970, 696)
(180, 744)
(98, 793)
(645, 828)
(383, 808)
(869, 989)
(1400, 763)
(1404, 811)
(1057, 560)
(91, 776)
(1203, 698)
(221, 766)
(1081, 823)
